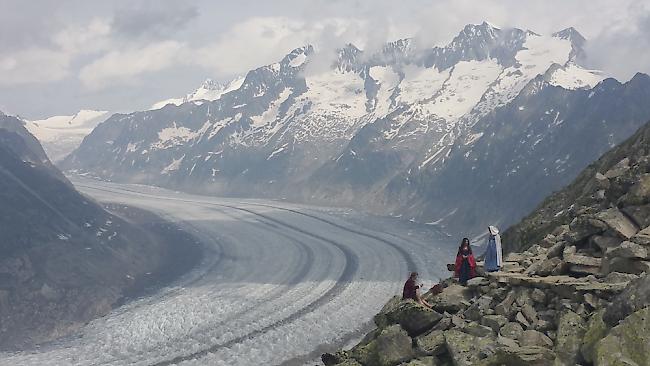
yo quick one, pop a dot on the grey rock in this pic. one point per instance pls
(628, 249)
(617, 223)
(431, 344)
(626, 344)
(534, 338)
(391, 347)
(639, 214)
(521, 319)
(605, 242)
(465, 349)
(511, 330)
(495, 322)
(625, 265)
(477, 330)
(635, 297)
(570, 332)
(639, 194)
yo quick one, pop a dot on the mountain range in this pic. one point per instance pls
(472, 133)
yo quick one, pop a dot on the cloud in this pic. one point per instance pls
(42, 64)
(623, 48)
(123, 66)
(153, 19)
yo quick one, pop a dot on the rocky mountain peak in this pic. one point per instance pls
(577, 41)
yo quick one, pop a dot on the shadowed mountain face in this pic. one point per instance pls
(617, 181)
(63, 259)
(442, 134)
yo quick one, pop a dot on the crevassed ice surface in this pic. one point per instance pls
(278, 281)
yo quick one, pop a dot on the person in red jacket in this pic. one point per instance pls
(411, 290)
(465, 263)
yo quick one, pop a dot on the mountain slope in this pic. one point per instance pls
(516, 155)
(63, 259)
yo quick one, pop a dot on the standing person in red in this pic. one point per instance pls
(465, 263)
(411, 290)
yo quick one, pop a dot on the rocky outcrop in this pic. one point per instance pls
(576, 293)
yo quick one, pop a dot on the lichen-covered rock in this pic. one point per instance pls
(450, 300)
(423, 361)
(413, 317)
(624, 265)
(477, 330)
(381, 319)
(465, 349)
(639, 194)
(431, 344)
(511, 330)
(391, 347)
(642, 237)
(627, 343)
(570, 332)
(596, 330)
(628, 249)
(534, 338)
(636, 296)
(520, 356)
(639, 214)
(617, 223)
(495, 322)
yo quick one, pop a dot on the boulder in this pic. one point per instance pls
(619, 169)
(520, 356)
(503, 341)
(413, 317)
(596, 330)
(534, 338)
(625, 265)
(538, 296)
(338, 358)
(617, 223)
(639, 193)
(583, 260)
(604, 242)
(391, 347)
(521, 319)
(423, 361)
(511, 330)
(583, 227)
(465, 349)
(381, 319)
(477, 330)
(639, 214)
(570, 332)
(543, 267)
(450, 299)
(642, 237)
(431, 344)
(556, 249)
(627, 343)
(504, 308)
(635, 297)
(495, 322)
(529, 312)
(477, 281)
(628, 249)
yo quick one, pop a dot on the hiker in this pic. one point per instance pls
(493, 252)
(465, 268)
(411, 290)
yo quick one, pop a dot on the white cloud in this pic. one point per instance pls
(47, 64)
(122, 66)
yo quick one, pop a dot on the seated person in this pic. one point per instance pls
(411, 290)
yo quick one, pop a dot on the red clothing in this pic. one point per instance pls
(459, 263)
(410, 290)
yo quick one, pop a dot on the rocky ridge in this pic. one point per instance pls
(576, 293)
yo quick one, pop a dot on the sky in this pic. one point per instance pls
(60, 56)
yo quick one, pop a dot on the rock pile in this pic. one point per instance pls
(576, 293)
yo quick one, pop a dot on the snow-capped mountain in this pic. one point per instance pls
(60, 135)
(357, 133)
(209, 90)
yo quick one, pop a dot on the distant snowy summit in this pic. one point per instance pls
(209, 90)
(60, 135)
